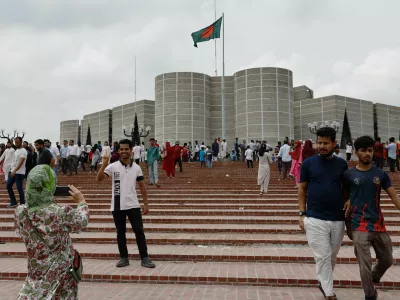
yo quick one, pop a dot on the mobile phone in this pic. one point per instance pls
(62, 191)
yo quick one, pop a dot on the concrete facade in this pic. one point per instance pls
(260, 104)
(387, 118)
(332, 108)
(216, 109)
(69, 130)
(124, 115)
(100, 126)
(303, 92)
(264, 104)
(182, 107)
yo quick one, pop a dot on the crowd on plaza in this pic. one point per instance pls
(331, 197)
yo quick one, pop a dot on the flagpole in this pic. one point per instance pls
(223, 78)
(215, 41)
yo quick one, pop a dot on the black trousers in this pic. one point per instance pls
(392, 164)
(348, 156)
(249, 162)
(379, 162)
(179, 161)
(137, 161)
(135, 218)
(64, 165)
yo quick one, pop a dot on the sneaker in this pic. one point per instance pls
(157, 185)
(11, 205)
(123, 262)
(147, 263)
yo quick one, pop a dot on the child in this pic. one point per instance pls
(233, 156)
(209, 156)
(273, 158)
(202, 158)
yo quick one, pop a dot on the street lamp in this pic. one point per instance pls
(136, 132)
(313, 127)
(16, 133)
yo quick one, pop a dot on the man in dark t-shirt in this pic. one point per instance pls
(378, 153)
(364, 183)
(45, 157)
(321, 203)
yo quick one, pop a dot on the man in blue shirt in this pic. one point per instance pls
(364, 183)
(321, 191)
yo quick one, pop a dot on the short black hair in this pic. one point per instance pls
(125, 142)
(378, 139)
(39, 141)
(152, 139)
(46, 140)
(391, 140)
(364, 142)
(65, 141)
(328, 132)
(19, 138)
(72, 141)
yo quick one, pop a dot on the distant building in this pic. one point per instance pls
(260, 104)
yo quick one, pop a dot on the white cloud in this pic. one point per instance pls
(70, 58)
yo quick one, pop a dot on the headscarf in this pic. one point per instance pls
(308, 149)
(295, 154)
(40, 187)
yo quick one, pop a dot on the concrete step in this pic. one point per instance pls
(267, 253)
(233, 273)
(191, 238)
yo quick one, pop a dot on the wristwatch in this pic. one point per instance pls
(302, 213)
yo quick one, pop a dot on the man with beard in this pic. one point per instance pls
(323, 216)
(124, 202)
(45, 157)
(7, 157)
(365, 182)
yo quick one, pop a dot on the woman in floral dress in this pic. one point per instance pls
(45, 228)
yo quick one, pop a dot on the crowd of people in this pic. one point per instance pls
(332, 197)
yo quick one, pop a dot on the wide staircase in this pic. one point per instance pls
(211, 235)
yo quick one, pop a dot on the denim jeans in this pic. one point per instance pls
(153, 172)
(209, 163)
(19, 180)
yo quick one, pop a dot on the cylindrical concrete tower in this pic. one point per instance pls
(182, 109)
(264, 104)
(69, 130)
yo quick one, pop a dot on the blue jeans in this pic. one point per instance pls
(209, 163)
(153, 172)
(19, 180)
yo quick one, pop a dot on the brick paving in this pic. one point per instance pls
(204, 228)
(135, 291)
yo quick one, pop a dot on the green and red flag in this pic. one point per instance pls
(210, 32)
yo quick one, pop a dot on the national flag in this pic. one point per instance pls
(210, 32)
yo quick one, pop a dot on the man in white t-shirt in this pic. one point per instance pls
(142, 153)
(249, 156)
(284, 154)
(17, 174)
(124, 203)
(7, 157)
(73, 157)
(224, 146)
(137, 153)
(349, 151)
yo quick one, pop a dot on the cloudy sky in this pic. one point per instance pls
(63, 59)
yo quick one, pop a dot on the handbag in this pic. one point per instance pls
(76, 269)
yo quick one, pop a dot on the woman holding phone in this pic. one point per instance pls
(45, 229)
